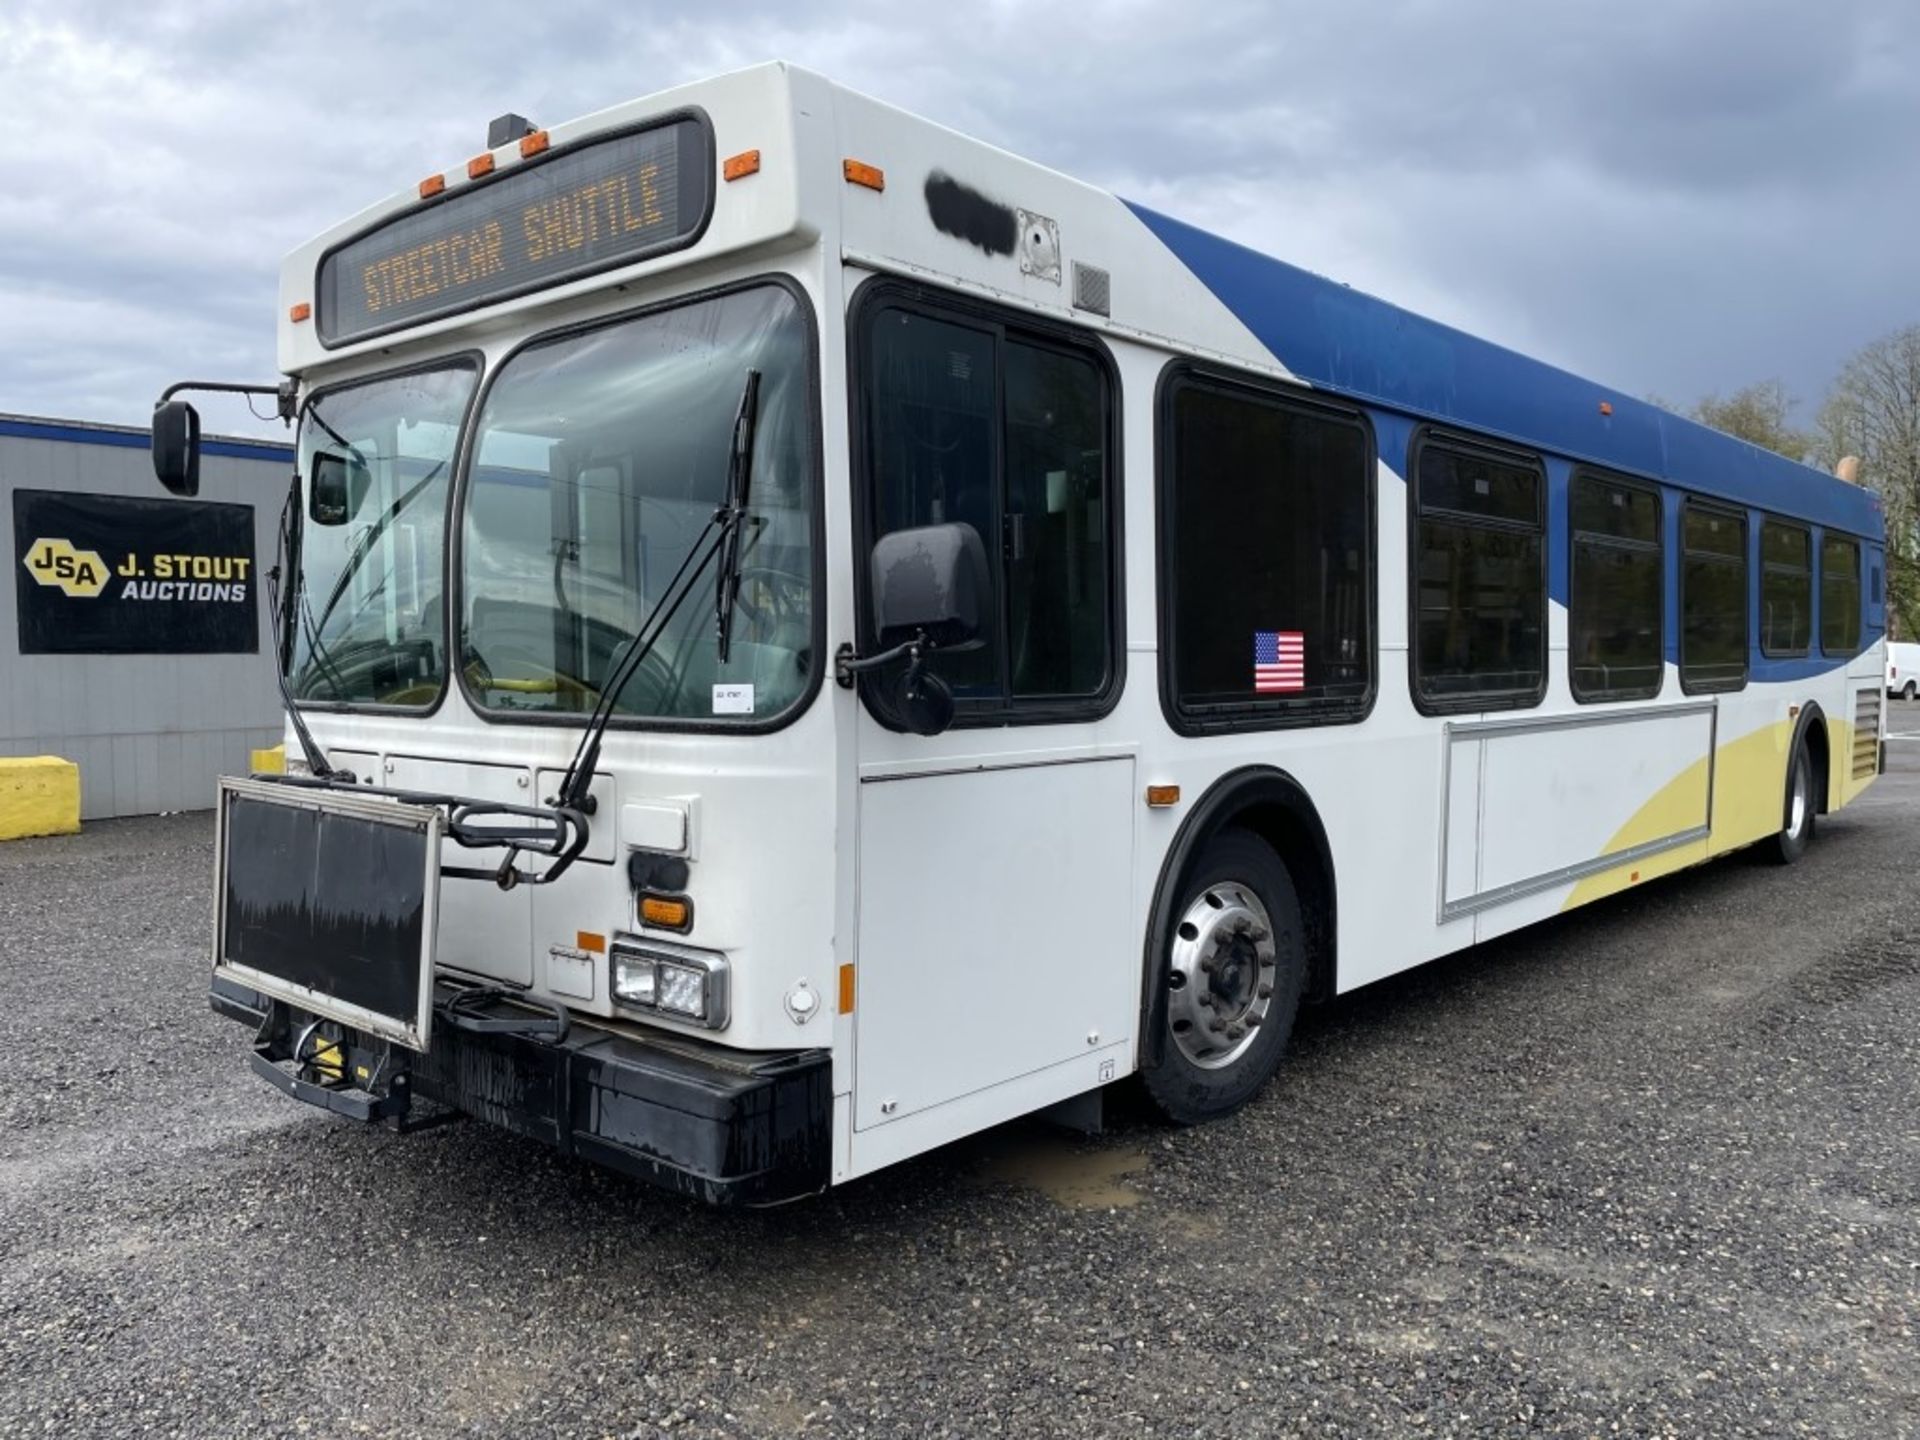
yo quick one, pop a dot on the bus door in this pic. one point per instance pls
(996, 961)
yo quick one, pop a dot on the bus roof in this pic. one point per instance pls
(1332, 336)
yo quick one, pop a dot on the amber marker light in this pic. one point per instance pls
(668, 914)
(1161, 796)
(846, 989)
(533, 143)
(590, 942)
(858, 172)
(297, 313)
(480, 165)
(738, 167)
(1606, 407)
(432, 186)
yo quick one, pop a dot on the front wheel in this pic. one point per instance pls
(1233, 968)
(1796, 821)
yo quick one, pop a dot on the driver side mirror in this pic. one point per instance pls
(176, 447)
(931, 580)
(930, 588)
(337, 487)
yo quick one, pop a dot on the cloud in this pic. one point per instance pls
(1673, 197)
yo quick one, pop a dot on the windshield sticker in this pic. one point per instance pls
(733, 699)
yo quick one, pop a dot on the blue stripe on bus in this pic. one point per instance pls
(136, 440)
(1348, 342)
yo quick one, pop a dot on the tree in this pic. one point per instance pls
(1760, 413)
(1873, 411)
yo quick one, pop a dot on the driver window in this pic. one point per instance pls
(970, 421)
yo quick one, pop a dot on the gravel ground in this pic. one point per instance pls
(1653, 1169)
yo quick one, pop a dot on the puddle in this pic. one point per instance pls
(1069, 1172)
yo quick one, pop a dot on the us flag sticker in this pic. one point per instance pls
(1279, 660)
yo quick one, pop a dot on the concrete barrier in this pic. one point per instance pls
(39, 795)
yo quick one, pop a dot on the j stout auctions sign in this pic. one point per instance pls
(108, 575)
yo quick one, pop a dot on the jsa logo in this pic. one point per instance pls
(81, 573)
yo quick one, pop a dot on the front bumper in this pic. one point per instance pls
(725, 1126)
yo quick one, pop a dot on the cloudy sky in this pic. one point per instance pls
(1671, 196)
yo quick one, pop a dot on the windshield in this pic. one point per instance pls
(599, 458)
(368, 622)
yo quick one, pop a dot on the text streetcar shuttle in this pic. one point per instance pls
(806, 636)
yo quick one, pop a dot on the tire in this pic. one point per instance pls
(1797, 813)
(1913, 689)
(1234, 953)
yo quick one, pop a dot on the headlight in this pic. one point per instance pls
(684, 983)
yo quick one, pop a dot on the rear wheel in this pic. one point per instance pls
(1796, 824)
(1232, 966)
(1913, 689)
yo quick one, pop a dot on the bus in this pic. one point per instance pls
(805, 636)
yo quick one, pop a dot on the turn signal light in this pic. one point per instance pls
(1161, 796)
(858, 172)
(667, 912)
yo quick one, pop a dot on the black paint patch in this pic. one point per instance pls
(964, 213)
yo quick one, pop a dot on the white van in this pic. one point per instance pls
(1903, 668)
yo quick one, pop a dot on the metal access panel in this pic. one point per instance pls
(1536, 803)
(997, 930)
(329, 902)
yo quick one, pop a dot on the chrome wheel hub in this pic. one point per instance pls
(1802, 796)
(1220, 975)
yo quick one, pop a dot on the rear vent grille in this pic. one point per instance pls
(1092, 289)
(1866, 733)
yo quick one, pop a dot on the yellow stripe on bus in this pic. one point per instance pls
(1748, 782)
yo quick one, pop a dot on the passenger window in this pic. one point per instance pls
(1006, 432)
(1614, 619)
(1840, 595)
(1713, 599)
(1786, 588)
(1480, 581)
(1267, 524)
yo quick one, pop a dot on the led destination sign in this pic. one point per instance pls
(605, 203)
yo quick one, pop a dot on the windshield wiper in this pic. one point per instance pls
(726, 592)
(727, 520)
(289, 555)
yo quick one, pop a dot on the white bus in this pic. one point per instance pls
(808, 636)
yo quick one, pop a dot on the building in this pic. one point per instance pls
(135, 635)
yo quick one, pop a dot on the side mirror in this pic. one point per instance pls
(176, 447)
(931, 581)
(929, 585)
(336, 487)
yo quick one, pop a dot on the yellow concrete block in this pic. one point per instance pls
(270, 762)
(39, 795)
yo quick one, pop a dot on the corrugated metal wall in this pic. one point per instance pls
(149, 732)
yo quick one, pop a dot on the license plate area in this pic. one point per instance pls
(330, 902)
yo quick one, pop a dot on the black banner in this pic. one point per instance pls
(109, 575)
